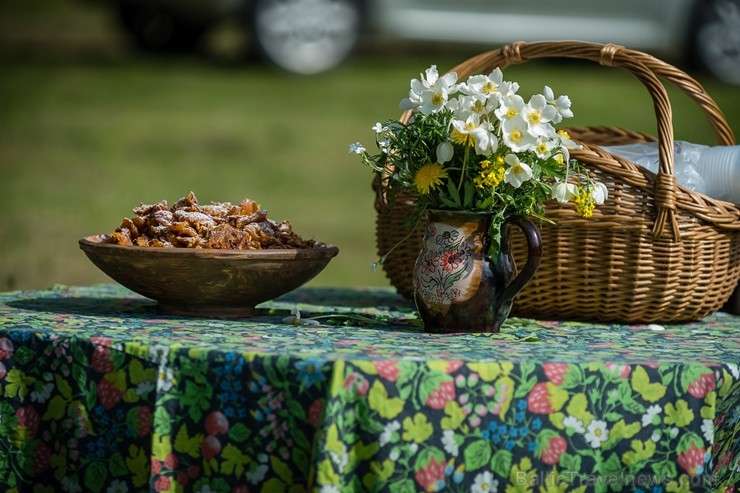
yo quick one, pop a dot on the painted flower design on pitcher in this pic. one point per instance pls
(445, 265)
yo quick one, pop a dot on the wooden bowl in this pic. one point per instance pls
(207, 282)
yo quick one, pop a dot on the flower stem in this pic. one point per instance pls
(464, 169)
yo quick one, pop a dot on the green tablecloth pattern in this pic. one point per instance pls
(101, 392)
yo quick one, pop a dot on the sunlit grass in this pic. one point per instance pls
(84, 140)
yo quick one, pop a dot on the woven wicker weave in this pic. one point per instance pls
(654, 252)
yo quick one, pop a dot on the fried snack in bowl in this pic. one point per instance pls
(218, 260)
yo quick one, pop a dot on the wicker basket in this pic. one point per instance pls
(654, 252)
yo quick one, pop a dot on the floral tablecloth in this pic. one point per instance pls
(101, 392)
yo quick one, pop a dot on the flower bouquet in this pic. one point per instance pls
(478, 145)
(479, 158)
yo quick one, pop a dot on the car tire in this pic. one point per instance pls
(153, 28)
(716, 39)
(306, 36)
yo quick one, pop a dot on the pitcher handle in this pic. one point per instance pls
(534, 255)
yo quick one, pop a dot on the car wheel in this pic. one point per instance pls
(716, 43)
(155, 29)
(306, 36)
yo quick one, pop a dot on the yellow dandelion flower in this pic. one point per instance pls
(462, 138)
(428, 177)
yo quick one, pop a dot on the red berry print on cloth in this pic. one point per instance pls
(431, 477)
(28, 421)
(210, 447)
(108, 394)
(216, 423)
(142, 420)
(6, 348)
(101, 361)
(546, 398)
(439, 397)
(41, 458)
(316, 412)
(555, 372)
(700, 387)
(387, 369)
(692, 460)
(555, 448)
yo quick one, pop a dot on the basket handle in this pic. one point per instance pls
(646, 69)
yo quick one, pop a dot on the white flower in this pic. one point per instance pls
(734, 369)
(574, 423)
(388, 431)
(655, 436)
(43, 393)
(117, 486)
(566, 141)
(144, 388)
(356, 148)
(340, 459)
(449, 443)
(484, 483)
(445, 151)
(295, 319)
(518, 173)
(538, 115)
(516, 134)
(165, 379)
(707, 428)
(600, 193)
(597, 433)
(563, 192)
(650, 415)
(430, 94)
(258, 475)
(70, 485)
(472, 132)
(509, 107)
(329, 488)
(561, 105)
(544, 147)
(159, 353)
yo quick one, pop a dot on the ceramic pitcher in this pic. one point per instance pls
(457, 286)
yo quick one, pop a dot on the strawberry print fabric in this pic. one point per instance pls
(102, 392)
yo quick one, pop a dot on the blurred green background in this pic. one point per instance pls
(90, 129)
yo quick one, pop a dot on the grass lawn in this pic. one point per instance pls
(88, 131)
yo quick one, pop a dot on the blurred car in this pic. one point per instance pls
(311, 36)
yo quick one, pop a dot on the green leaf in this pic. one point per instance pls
(664, 469)
(404, 486)
(162, 421)
(239, 432)
(55, 410)
(117, 465)
(281, 469)
(501, 462)
(234, 461)
(469, 193)
(187, 444)
(297, 410)
(23, 355)
(95, 476)
(570, 463)
(454, 194)
(524, 389)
